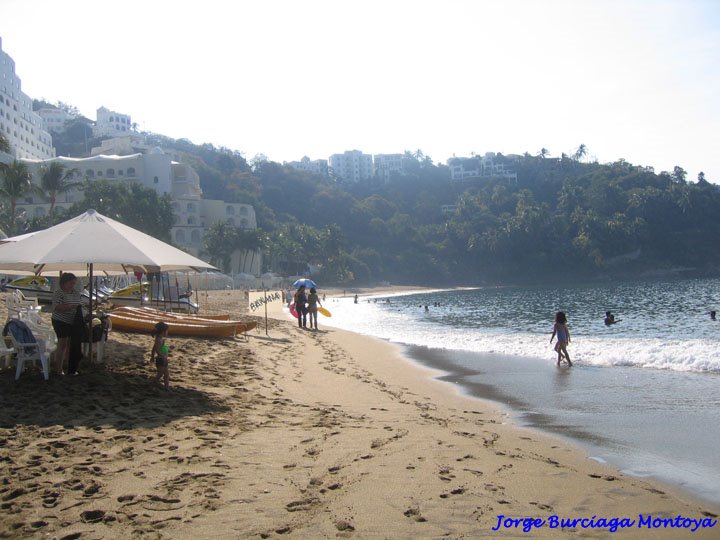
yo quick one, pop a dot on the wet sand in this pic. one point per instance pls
(297, 434)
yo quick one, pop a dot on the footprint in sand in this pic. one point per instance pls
(92, 516)
(414, 513)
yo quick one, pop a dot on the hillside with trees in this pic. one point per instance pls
(563, 218)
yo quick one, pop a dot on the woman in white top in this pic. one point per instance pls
(67, 321)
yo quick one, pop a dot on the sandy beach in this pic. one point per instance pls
(299, 434)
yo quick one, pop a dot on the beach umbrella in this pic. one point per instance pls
(304, 282)
(16, 238)
(94, 239)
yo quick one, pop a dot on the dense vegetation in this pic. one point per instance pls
(562, 219)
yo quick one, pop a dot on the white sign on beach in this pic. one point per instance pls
(259, 299)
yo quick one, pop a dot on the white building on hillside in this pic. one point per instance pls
(22, 127)
(54, 119)
(111, 124)
(130, 143)
(193, 214)
(478, 167)
(386, 165)
(352, 165)
(317, 166)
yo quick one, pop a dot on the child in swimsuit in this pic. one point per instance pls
(563, 337)
(159, 353)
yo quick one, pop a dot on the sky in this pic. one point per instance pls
(630, 79)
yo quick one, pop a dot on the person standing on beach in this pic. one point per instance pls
(159, 353)
(313, 300)
(560, 330)
(68, 321)
(289, 296)
(301, 306)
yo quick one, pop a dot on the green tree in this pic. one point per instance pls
(4, 144)
(55, 179)
(132, 204)
(16, 181)
(580, 153)
(219, 243)
(250, 241)
(679, 174)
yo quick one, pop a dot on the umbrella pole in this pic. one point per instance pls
(90, 333)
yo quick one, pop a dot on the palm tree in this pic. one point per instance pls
(55, 179)
(252, 242)
(4, 144)
(16, 181)
(544, 152)
(580, 153)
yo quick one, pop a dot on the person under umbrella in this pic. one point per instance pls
(301, 306)
(68, 323)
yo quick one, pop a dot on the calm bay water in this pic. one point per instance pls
(644, 394)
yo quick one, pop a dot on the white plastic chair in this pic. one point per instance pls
(40, 330)
(30, 352)
(16, 303)
(6, 354)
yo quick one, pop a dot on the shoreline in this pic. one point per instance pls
(525, 387)
(599, 441)
(297, 433)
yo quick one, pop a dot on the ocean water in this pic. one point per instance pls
(644, 394)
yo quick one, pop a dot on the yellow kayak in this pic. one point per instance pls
(130, 322)
(160, 315)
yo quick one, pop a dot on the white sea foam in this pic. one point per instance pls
(417, 327)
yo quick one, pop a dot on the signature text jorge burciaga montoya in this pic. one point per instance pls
(611, 524)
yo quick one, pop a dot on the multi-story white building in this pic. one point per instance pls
(193, 214)
(352, 165)
(54, 119)
(317, 166)
(388, 164)
(19, 124)
(111, 124)
(476, 167)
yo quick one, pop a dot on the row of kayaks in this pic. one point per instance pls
(144, 319)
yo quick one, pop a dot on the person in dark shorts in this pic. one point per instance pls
(301, 306)
(68, 322)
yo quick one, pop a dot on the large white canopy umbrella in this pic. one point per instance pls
(97, 240)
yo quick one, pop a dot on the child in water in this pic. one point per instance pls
(159, 353)
(563, 337)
